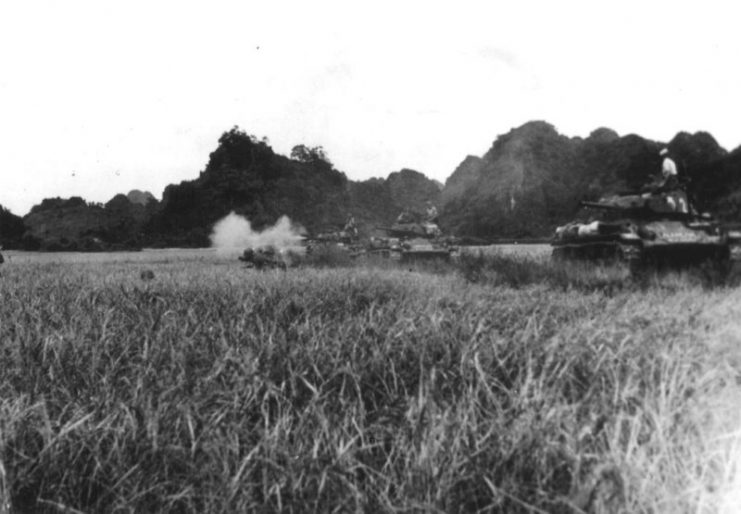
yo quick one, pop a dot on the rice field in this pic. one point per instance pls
(497, 385)
(151, 256)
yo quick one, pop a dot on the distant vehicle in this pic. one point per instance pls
(332, 237)
(418, 241)
(342, 239)
(420, 229)
(264, 258)
(649, 229)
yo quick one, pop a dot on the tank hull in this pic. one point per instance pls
(679, 254)
(425, 255)
(660, 244)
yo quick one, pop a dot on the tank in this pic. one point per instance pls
(424, 230)
(334, 237)
(418, 241)
(388, 247)
(263, 258)
(426, 250)
(343, 240)
(649, 229)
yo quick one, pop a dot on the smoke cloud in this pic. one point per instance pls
(234, 234)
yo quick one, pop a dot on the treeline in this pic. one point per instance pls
(73, 224)
(243, 175)
(11, 229)
(529, 181)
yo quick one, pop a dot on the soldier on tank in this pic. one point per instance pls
(350, 226)
(669, 173)
(676, 196)
(667, 186)
(431, 213)
(667, 177)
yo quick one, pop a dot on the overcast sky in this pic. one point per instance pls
(103, 97)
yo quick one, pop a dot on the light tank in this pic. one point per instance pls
(418, 241)
(262, 258)
(421, 229)
(648, 229)
(345, 240)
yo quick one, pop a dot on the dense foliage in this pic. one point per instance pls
(76, 225)
(11, 229)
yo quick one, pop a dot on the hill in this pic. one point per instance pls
(73, 224)
(532, 178)
(529, 181)
(244, 175)
(140, 197)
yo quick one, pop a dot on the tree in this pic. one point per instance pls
(310, 155)
(11, 228)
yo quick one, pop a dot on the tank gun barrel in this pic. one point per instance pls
(606, 206)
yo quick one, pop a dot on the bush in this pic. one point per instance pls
(498, 268)
(328, 256)
(30, 243)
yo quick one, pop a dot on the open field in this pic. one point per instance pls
(151, 256)
(510, 386)
(170, 255)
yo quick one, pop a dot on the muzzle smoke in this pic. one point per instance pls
(234, 233)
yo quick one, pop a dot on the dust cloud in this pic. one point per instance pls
(234, 234)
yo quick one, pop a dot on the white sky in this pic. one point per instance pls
(101, 97)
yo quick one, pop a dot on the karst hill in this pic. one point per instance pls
(530, 180)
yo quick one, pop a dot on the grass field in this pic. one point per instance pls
(502, 384)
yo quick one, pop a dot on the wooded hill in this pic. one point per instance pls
(527, 183)
(532, 178)
(243, 175)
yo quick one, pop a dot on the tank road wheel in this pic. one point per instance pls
(727, 265)
(564, 254)
(733, 274)
(633, 257)
(558, 254)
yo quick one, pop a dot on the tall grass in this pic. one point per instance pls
(504, 269)
(217, 389)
